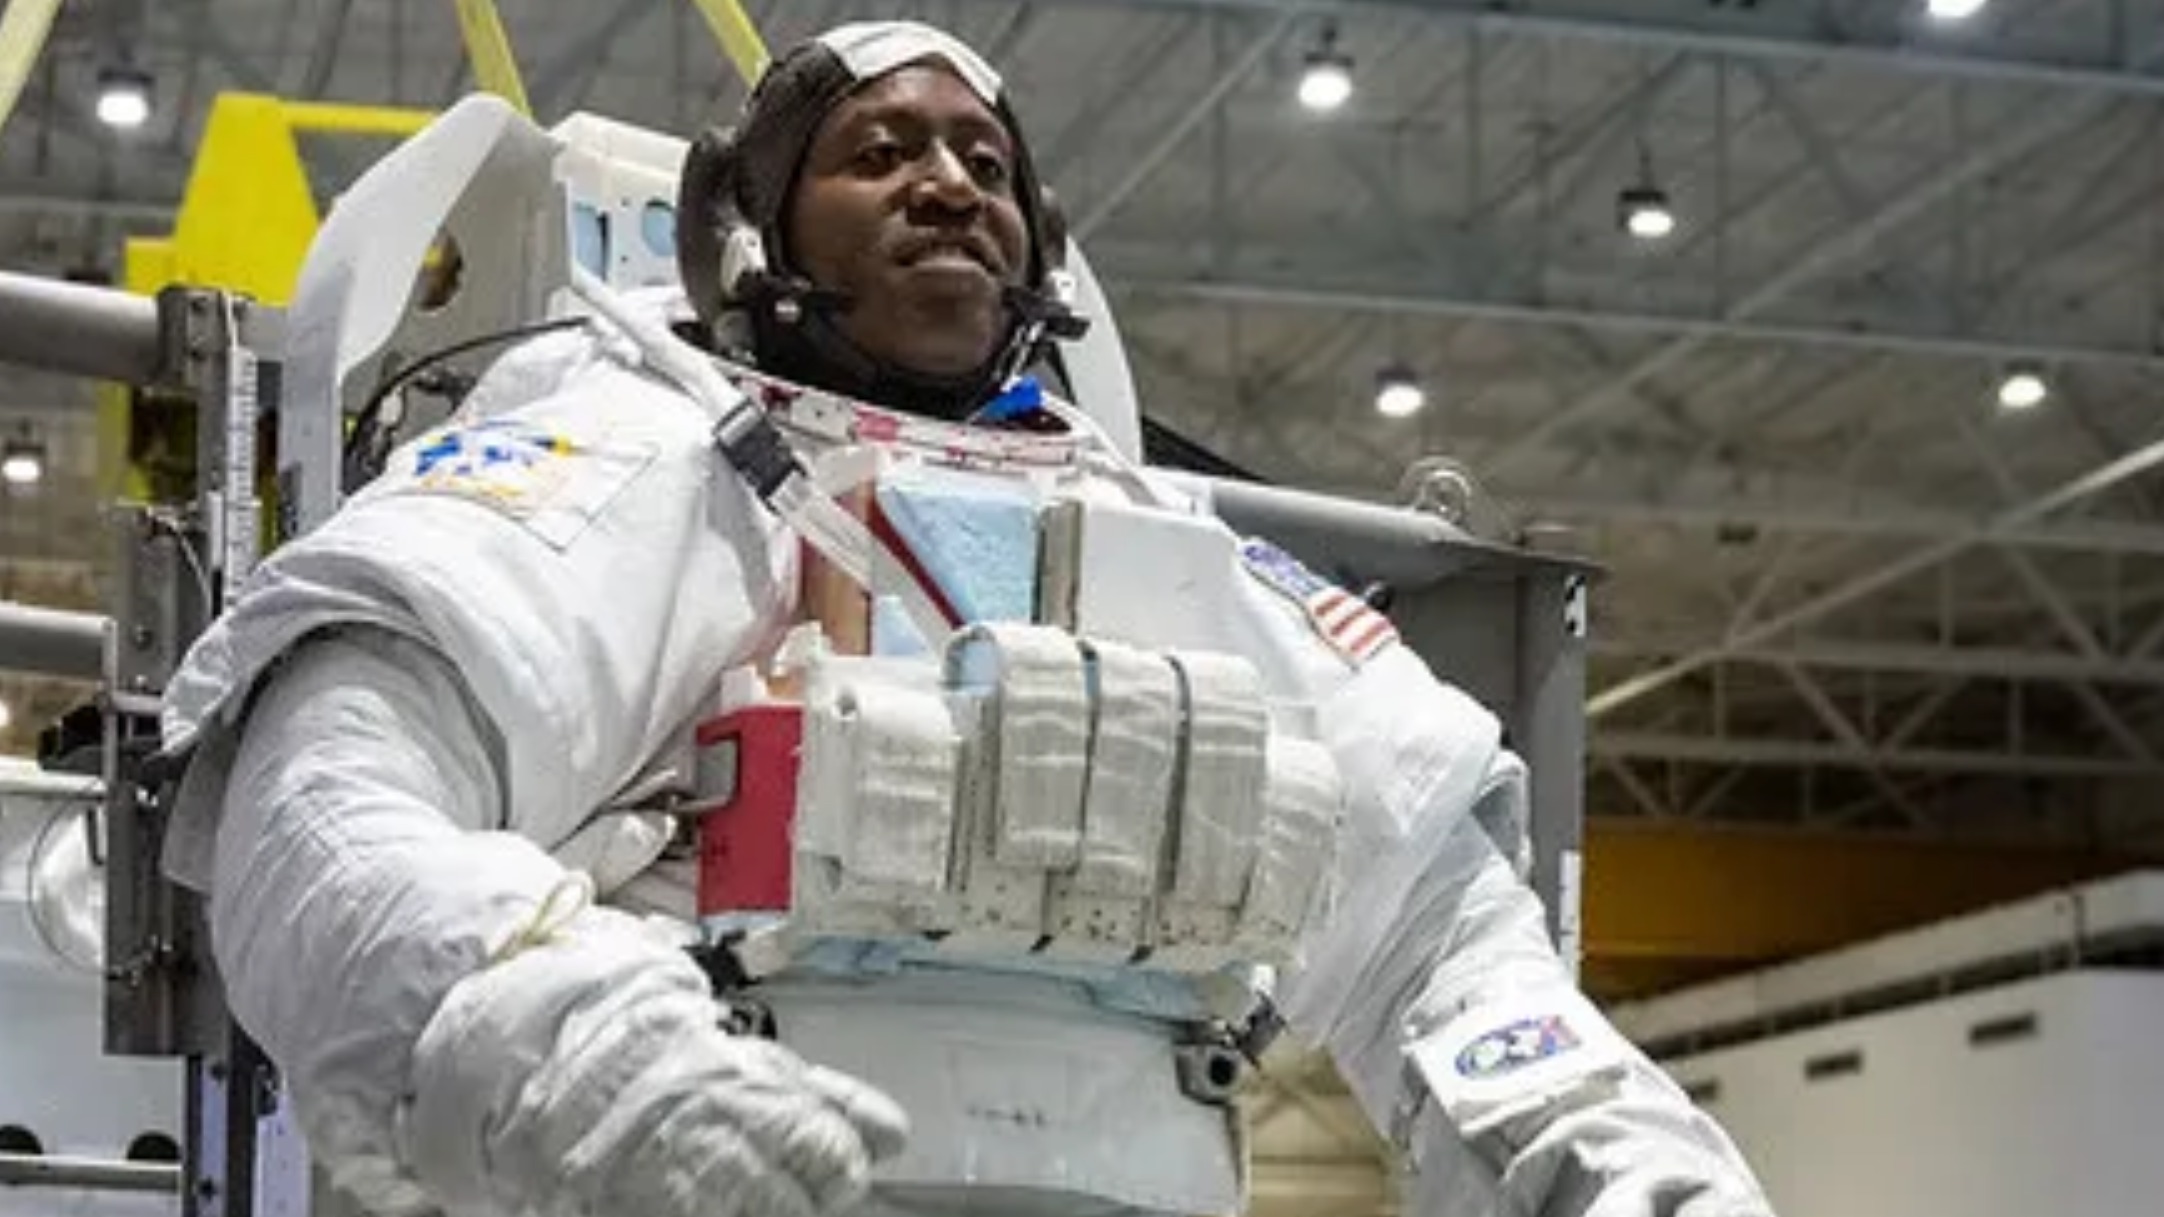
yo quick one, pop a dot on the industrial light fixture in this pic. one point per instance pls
(22, 462)
(7, 716)
(1954, 10)
(1644, 213)
(1326, 74)
(2022, 388)
(1642, 208)
(123, 97)
(1398, 392)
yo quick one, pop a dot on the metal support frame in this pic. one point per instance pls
(1996, 663)
(1888, 521)
(179, 564)
(51, 642)
(46, 1170)
(1149, 280)
(2095, 482)
(1548, 726)
(1852, 738)
(1804, 39)
(1798, 753)
(1839, 246)
(1104, 206)
(156, 1002)
(80, 330)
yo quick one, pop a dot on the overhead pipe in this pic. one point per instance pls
(52, 642)
(99, 332)
(42, 1170)
(1400, 545)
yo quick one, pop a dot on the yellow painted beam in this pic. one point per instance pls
(249, 212)
(495, 68)
(245, 223)
(1665, 905)
(23, 29)
(739, 38)
(342, 119)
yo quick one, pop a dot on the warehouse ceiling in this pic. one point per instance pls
(1845, 586)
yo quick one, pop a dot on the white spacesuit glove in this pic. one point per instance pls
(577, 1077)
(454, 1035)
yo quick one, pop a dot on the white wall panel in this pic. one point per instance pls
(2043, 1097)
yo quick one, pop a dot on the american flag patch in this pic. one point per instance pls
(1344, 620)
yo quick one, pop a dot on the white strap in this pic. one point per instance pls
(904, 787)
(848, 543)
(1040, 714)
(879, 773)
(1297, 853)
(1221, 791)
(1134, 746)
(1105, 908)
(839, 537)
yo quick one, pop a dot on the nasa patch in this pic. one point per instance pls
(553, 481)
(1515, 1046)
(510, 464)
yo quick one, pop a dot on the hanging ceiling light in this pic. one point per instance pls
(123, 97)
(22, 462)
(1954, 10)
(1398, 392)
(1326, 74)
(1644, 213)
(1642, 208)
(2023, 388)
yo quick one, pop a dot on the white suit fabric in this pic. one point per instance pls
(440, 687)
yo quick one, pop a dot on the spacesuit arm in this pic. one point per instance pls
(458, 1029)
(1606, 1134)
(1435, 988)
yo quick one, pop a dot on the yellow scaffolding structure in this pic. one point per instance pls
(23, 30)
(495, 68)
(244, 224)
(249, 213)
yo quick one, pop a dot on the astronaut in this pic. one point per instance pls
(428, 740)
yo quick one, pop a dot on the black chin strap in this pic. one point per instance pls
(1033, 310)
(796, 335)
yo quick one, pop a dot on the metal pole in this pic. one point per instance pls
(66, 327)
(1824, 754)
(1103, 207)
(1862, 520)
(50, 642)
(39, 1170)
(1694, 329)
(2090, 484)
(1913, 658)
(1799, 47)
(1548, 730)
(1411, 549)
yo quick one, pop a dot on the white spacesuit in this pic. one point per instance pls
(432, 729)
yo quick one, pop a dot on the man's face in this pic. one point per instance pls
(906, 203)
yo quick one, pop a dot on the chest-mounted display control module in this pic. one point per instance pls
(1072, 782)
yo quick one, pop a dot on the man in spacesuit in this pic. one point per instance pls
(410, 737)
